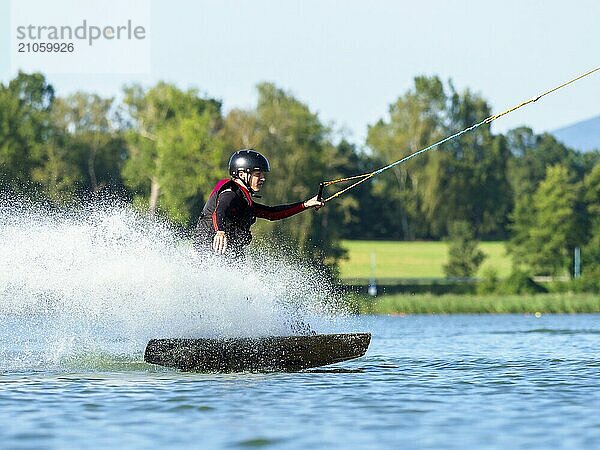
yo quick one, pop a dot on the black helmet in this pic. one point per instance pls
(247, 160)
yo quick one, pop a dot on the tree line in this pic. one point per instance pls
(163, 148)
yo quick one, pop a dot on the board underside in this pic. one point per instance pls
(269, 354)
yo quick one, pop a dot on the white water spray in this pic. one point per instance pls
(102, 280)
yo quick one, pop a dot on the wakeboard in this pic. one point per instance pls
(266, 354)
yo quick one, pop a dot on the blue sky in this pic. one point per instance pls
(348, 60)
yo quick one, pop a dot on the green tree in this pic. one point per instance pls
(464, 256)
(92, 142)
(32, 158)
(414, 121)
(591, 251)
(532, 154)
(550, 232)
(175, 149)
(355, 210)
(464, 179)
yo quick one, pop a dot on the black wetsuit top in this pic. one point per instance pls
(230, 208)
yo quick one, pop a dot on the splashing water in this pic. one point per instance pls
(102, 280)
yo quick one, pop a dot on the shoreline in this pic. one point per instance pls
(551, 303)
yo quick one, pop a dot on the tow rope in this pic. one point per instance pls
(366, 176)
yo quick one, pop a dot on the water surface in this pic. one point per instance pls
(502, 381)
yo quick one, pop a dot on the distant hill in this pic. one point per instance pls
(583, 136)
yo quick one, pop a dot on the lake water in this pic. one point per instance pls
(503, 381)
(82, 290)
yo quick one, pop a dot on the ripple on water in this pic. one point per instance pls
(257, 442)
(554, 331)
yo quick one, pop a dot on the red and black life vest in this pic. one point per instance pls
(230, 208)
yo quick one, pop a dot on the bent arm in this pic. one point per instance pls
(223, 202)
(278, 212)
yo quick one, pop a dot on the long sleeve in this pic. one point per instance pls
(278, 212)
(223, 203)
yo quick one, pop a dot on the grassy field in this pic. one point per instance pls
(470, 304)
(397, 259)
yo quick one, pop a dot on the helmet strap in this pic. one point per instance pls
(253, 193)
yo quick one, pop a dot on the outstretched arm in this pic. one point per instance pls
(284, 211)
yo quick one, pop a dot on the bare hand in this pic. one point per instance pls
(314, 203)
(220, 242)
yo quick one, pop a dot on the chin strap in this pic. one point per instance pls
(253, 193)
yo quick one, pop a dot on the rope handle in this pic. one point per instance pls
(320, 194)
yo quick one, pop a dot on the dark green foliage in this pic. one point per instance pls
(415, 120)
(175, 151)
(463, 179)
(548, 227)
(95, 150)
(532, 155)
(589, 281)
(591, 197)
(489, 283)
(464, 257)
(519, 282)
(56, 149)
(30, 152)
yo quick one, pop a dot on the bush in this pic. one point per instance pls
(464, 256)
(588, 282)
(489, 283)
(519, 282)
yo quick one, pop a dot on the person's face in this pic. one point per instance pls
(257, 179)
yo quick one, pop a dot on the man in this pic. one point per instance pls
(230, 211)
